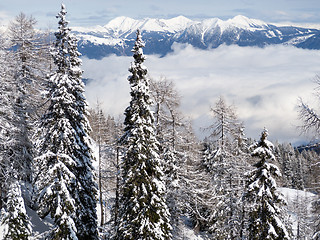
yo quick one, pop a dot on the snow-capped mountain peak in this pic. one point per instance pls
(122, 24)
(243, 22)
(177, 23)
(151, 24)
(211, 22)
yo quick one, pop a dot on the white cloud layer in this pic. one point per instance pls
(263, 83)
(4, 19)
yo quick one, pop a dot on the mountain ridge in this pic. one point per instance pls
(118, 35)
(175, 24)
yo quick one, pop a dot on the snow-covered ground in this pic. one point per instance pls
(39, 226)
(299, 202)
(291, 195)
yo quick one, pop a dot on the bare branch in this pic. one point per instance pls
(311, 120)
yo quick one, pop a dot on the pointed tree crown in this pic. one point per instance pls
(266, 205)
(143, 213)
(66, 182)
(263, 148)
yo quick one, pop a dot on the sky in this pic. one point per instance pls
(264, 84)
(99, 12)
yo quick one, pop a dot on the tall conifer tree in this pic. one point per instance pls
(65, 181)
(143, 213)
(265, 203)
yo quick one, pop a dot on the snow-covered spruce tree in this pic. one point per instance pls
(143, 213)
(16, 223)
(65, 182)
(265, 204)
(297, 179)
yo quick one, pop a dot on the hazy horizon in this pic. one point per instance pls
(97, 12)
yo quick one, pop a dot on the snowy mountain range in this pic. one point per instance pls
(118, 36)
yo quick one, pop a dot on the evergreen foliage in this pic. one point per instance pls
(15, 218)
(65, 181)
(292, 165)
(265, 210)
(143, 213)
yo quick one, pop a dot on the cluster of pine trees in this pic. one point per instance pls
(153, 176)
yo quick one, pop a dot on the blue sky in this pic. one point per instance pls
(99, 12)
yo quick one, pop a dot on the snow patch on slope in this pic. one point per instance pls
(292, 194)
(100, 40)
(94, 29)
(298, 40)
(243, 22)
